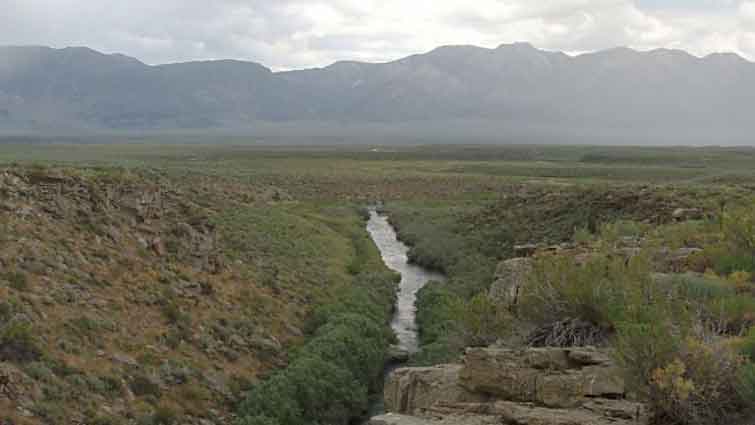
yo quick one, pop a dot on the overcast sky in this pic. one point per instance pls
(287, 34)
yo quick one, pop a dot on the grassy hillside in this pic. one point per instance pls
(131, 293)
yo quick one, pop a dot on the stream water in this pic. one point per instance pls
(413, 278)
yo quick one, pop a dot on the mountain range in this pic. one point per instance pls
(515, 92)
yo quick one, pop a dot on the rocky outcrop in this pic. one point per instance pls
(533, 386)
(549, 377)
(417, 390)
(396, 419)
(510, 278)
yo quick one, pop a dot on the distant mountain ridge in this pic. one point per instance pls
(513, 91)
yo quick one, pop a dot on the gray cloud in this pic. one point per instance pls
(288, 34)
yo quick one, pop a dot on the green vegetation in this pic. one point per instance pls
(250, 265)
(329, 378)
(18, 343)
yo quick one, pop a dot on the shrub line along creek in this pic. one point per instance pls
(413, 278)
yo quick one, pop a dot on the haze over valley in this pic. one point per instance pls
(513, 93)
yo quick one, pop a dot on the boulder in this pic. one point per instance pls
(530, 386)
(17, 388)
(607, 412)
(679, 259)
(685, 214)
(397, 354)
(600, 412)
(416, 390)
(510, 278)
(526, 250)
(394, 419)
(676, 260)
(548, 377)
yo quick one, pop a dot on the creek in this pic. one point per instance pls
(413, 278)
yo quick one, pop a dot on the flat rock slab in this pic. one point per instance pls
(396, 419)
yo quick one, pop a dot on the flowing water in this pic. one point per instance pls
(413, 278)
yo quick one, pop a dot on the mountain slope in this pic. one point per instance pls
(516, 89)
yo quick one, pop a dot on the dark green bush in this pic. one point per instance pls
(327, 393)
(353, 342)
(17, 280)
(174, 315)
(257, 420)
(274, 398)
(748, 345)
(435, 303)
(329, 377)
(726, 262)
(747, 383)
(143, 386)
(17, 344)
(6, 311)
(164, 415)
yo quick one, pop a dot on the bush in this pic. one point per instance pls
(748, 345)
(6, 311)
(699, 387)
(275, 399)
(354, 343)
(329, 377)
(143, 386)
(257, 420)
(598, 292)
(435, 306)
(164, 415)
(611, 232)
(17, 344)
(726, 261)
(642, 348)
(482, 320)
(739, 230)
(326, 393)
(747, 384)
(174, 315)
(737, 253)
(17, 280)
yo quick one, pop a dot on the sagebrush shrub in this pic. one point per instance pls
(699, 387)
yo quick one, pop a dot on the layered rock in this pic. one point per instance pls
(510, 278)
(418, 390)
(549, 377)
(534, 386)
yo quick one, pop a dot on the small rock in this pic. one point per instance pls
(526, 250)
(397, 354)
(124, 359)
(685, 214)
(159, 247)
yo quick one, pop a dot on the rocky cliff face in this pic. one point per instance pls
(534, 386)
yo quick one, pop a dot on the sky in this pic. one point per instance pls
(293, 34)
